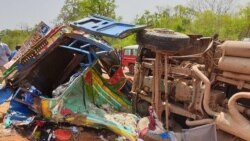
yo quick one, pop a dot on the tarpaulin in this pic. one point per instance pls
(201, 133)
(6, 93)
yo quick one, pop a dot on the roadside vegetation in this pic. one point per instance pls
(205, 17)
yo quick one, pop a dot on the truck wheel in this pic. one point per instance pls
(131, 69)
(162, 39)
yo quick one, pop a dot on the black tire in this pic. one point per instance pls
(162, 39)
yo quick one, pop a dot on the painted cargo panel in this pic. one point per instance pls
(104, 26)
(79, 104)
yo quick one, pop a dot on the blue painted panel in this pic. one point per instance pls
(104, 26)
(5, 94)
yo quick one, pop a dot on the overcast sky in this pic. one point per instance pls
(17, 13)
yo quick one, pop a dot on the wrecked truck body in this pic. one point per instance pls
(62, 80)
(194, 81)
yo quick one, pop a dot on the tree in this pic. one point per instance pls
(184, 12)
(182, 17)
(77, 9)
(156, 19)
(69, 11)
(217, 6)
(178, 18)
(245, 14)
(208, 23)
(228, 25)
(14, 37)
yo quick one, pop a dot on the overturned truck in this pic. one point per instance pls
(194, 81)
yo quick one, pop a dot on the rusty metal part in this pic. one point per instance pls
(147, 65)
(236, 48)
(136, 77)
(157, 81)
(141, 77)
(217, 100)
(190, 88)
(207, 83)
(192, 103)
(235, 64)
(198, 99)
(148, 82)
(183, 92)
(166, 90)
(234, 122)
(199, 122)
(197, 55)
(239, 84)
(143, 95)
(180, 111)
(243, 110)
(236, 76)
(180, 70)
(233, 109)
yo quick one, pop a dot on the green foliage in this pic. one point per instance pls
(14, 37)
(178, 20)
(228, 26)
(69, 11)
(244, 14)
(78, 9)
(120, 43)
(205, 23)
(196, 20)
(208, 22)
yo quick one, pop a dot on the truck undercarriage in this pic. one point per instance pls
(189, 90)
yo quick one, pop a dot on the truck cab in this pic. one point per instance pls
(129, 57)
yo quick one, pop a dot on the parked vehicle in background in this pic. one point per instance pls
(129, 57)
(246, 39)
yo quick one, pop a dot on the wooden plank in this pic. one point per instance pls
(157, 79)
(166, 90)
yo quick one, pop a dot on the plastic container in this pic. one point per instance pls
(62, 135)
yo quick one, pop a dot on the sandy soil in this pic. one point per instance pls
(3, 109)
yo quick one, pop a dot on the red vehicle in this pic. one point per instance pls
(129, 57)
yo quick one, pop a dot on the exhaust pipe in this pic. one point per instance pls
(199, 122)
(233, 123)
(207, 83)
